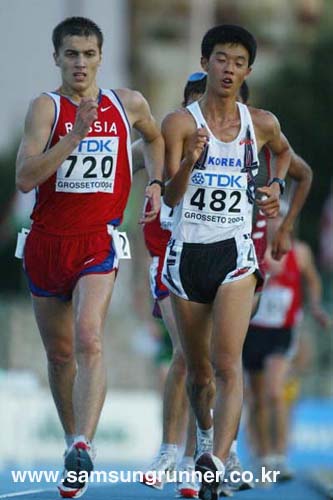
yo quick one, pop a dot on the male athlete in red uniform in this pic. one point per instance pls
(76, 153)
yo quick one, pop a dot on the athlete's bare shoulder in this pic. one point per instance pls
(263, 120)
(131, 99)
(179, 121)
(42, 104)
(41, 113)
(266, 125)
(135, 104)
(128, 96)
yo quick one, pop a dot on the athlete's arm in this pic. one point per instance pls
(140, 116)
(33, 165)
(184, 144)
(137, 156)
(300, 172)
(268, 132)
(313, 283)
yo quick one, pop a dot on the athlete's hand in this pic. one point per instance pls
(153, 196)
(281, 243)
(321, 317)
(195, 145)
(86, 114)
(268, 200)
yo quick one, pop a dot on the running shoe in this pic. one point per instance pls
(210, 490)
(187, 486)
(78, 459)
(281, 465)
(203, 445)
(164, 465)
(234, 474)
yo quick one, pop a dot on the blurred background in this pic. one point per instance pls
(152, 46)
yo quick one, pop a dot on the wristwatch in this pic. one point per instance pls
(160, 183)
(281, 182)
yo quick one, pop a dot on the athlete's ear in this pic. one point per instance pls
(56, 58)
(204, 64)
(249, 69)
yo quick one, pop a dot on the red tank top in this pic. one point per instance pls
(156, 238)
(281, 301)
(90, 189)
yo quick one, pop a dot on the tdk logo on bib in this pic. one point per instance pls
(97, 145)
(198, 179)
(220, 180)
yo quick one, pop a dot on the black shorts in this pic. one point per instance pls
(194, 271)
(260, 343)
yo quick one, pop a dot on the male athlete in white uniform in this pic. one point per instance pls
(210, 266)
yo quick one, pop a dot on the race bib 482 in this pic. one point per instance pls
(216, 198)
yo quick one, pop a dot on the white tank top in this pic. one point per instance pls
(219, 198)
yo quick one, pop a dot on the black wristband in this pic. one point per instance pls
(160, 183)
(281, 182)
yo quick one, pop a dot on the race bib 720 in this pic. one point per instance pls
(91, 167)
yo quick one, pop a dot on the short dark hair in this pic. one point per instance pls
(244, 92)
(192, 86)
(76, 26)
(228, 33)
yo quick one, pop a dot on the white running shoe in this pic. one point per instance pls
(234, 474)
(187, 486)
(164, 465)
(281, 465)
(204, 445)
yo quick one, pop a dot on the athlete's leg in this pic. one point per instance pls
(231, 316)
(276, 370)
(255, 303)
(55, 322)
(91, 299)
(191, 435)
(258, 424)
(194, 327)
(174, 399)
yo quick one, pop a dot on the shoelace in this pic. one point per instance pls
(205, 445)
(233, 461)
(190, 478)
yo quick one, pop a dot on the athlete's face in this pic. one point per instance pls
(227, 68)
(78, 59)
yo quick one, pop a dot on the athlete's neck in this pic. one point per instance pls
(76, 95)
(219, 109)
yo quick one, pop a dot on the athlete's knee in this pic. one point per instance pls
(89, 346)
(227, 368)
(275, 394)
(88, 337)
(60, 355)
(200, 374)
(178, 363)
